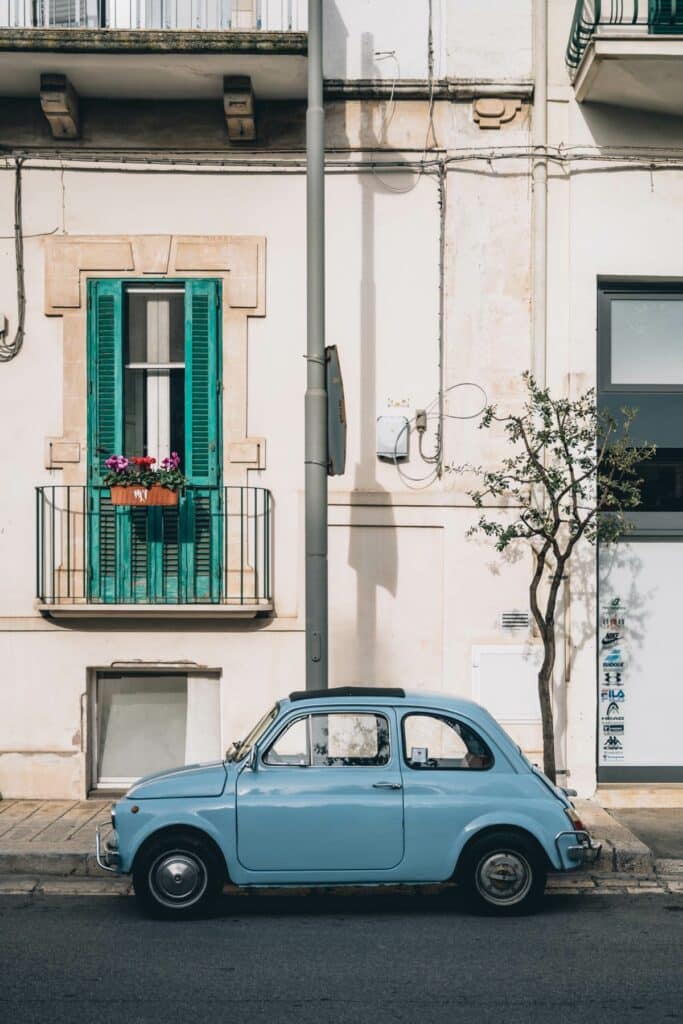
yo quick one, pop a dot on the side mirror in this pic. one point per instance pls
(252, 759)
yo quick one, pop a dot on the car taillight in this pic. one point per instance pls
(577, 824)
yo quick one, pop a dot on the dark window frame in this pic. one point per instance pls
(641, 288)
(366, 762)
(442, 768)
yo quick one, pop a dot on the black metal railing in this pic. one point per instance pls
(214, 547)
(649, 16)
(206, 15)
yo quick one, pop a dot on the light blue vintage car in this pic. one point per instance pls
(351, 785)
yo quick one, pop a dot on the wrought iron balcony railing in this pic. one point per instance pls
(213, 548)
(657, 17)
(178, 15)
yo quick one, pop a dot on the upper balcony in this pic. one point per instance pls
(154, 49)
(628, 53)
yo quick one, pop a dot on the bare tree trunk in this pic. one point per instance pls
(546, 624)
(545, 676)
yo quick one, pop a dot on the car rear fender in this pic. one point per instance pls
(514, 820)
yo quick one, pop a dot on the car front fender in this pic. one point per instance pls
(211, 817)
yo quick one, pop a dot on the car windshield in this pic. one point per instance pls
(240, 748)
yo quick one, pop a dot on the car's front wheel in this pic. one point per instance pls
(177, 874)
(504, 873)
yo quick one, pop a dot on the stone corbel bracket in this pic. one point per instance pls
(492, 112)
(239, 262)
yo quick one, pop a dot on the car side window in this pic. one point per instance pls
(437, 741)
(349, 739)
(335, 740)
(291, 746)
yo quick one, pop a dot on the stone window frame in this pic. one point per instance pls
(239, 262)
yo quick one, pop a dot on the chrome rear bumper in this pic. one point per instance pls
(582, 851)
(107, 852)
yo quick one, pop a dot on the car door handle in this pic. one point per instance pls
(387, 785)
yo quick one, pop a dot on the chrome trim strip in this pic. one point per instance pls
(98, 847)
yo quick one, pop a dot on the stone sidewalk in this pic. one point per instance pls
(50, 837)
(43, 838)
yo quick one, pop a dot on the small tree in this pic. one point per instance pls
(573, 477)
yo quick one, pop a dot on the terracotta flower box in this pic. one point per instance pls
(137, 495)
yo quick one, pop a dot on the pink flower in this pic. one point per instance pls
(172, 462)
(117, 462)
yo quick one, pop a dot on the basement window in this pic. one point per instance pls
(148, 722)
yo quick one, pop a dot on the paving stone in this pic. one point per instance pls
(675, 886)
(20, 811)
(639, 891)
(46, 814)
(572, 883)
(82, 815)
(615, 882)
(15, 885)
(669, 867)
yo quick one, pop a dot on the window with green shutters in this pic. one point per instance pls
(154, 382)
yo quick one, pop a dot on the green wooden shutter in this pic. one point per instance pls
(201, 383)
(105, 375)
(105, 434)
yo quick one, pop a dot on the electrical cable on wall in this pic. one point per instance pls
(429, 478)
(10, 350)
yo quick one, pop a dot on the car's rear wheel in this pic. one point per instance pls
(177, 874)
(504, 873)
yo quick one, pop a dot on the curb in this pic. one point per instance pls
(622, 851)
(558, 885)
(48, 862)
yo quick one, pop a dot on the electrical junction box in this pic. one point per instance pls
(393, 433)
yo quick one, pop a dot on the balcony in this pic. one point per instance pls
(210, 557)
(174, 15)
(628, 53)
(154, 49)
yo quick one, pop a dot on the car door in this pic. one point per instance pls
(449, 779)
(324, 796)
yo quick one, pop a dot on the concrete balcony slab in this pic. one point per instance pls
(633, 70)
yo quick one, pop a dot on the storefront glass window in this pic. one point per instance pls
(640, 329)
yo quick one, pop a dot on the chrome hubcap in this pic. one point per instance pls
(503, 877)
(178, 879)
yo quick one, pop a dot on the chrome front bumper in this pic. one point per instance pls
(107, 852)
(582, 851)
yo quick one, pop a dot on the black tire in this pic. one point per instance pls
(178, 875)
(503, 873)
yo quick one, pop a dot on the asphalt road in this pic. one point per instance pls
(336, 960)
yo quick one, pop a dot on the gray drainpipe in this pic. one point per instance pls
(540, 193)
(316, 393)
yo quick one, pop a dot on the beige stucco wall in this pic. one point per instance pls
(409, 595)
